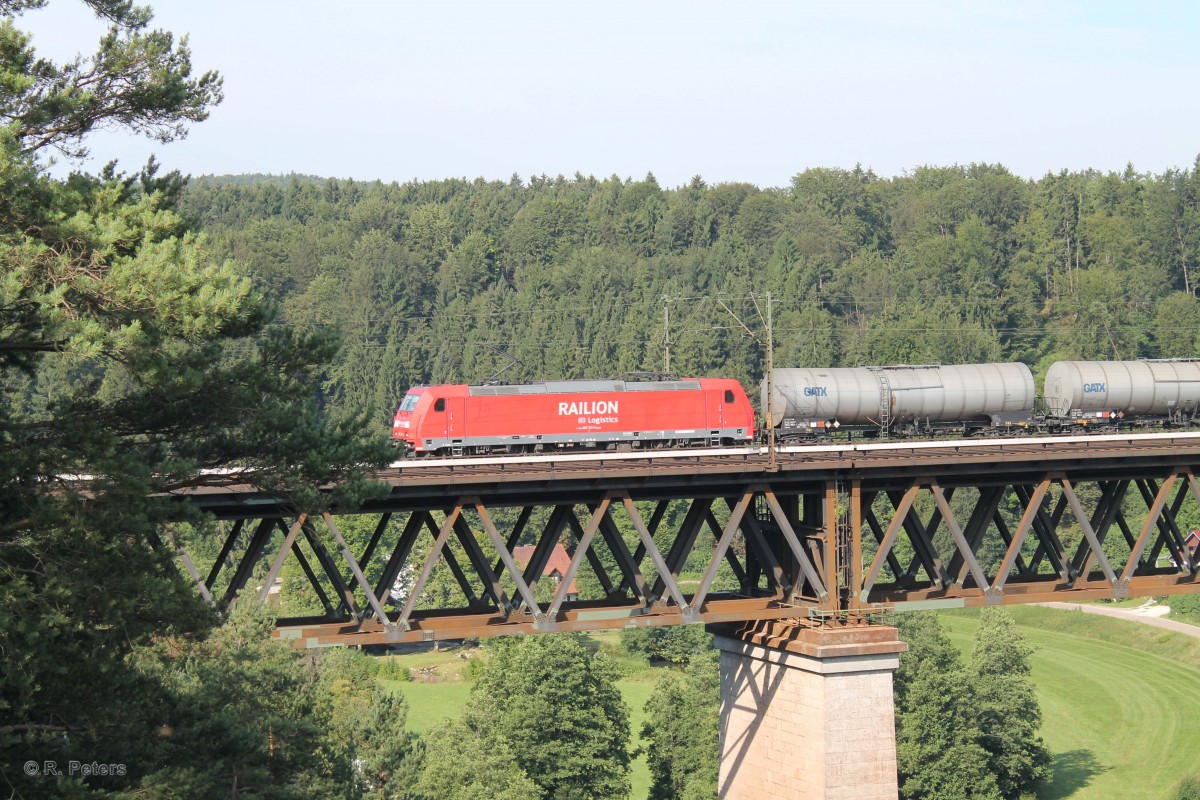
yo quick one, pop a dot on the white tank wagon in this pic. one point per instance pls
(909, 400)
(1109, 392)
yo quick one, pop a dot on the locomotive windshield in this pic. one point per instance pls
(409, 402)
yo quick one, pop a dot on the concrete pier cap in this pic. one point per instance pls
(807, 710)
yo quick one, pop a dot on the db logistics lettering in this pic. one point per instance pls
(592, 407)
(816, 391)
(1090, 388)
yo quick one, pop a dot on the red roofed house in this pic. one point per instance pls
(1192, 542)
(556, 565)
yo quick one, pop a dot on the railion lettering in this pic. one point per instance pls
(590, 407)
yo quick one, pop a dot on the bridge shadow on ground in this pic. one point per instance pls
(1072, 771)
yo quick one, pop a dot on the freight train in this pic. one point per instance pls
(803, 405)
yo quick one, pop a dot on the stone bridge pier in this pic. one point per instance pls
(807, 712)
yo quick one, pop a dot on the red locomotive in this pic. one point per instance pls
(588, 414)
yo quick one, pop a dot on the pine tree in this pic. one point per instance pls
(131, 365)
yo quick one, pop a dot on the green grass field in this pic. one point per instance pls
(1118, 702)
(636, 691)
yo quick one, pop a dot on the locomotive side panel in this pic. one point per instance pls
(576, 413)
(585, 416)
(729, 407)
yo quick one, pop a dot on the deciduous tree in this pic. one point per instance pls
(556, 705)
(681, 734)
(1007, 712)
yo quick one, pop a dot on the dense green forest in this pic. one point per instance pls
(462, 281)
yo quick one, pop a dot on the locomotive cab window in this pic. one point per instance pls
(410, 402)
(440, 405)
(728, 395)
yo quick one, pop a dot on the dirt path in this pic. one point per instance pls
(1147, 615)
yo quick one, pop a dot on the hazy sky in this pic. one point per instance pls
(729, 91)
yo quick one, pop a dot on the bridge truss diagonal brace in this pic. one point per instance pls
(655, 518)
(631, 572)
(793, 541)
(254, 549)
(1152, 518)
(182, 554)
(331, 570)
(1172, 537)
(656, 557)
(288, 542)
(975, 531)
(1193, 561)
(1089, 532)
(755, 539)
(359, 577)
(1043, 526)
(739, 573)
(710, 574)
(920, 535)
(1018, 538)
(581, 549)
(439, 542)
(888, 541)
(399, 555)
(226, 548)
(960, 541)
(594, 560)
(510, 564)
(479, 564)
(682, 544)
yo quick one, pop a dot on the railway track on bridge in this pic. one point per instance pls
(856, 458)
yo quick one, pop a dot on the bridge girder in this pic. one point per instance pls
(701, 541)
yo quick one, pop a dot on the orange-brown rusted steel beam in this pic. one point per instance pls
(766, 560)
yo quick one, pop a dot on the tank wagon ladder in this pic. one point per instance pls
(885, 405)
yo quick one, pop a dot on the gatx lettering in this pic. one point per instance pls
(816, 391)
(592, 407)
(1091, 388)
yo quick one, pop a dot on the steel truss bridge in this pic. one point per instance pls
(815, 533)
